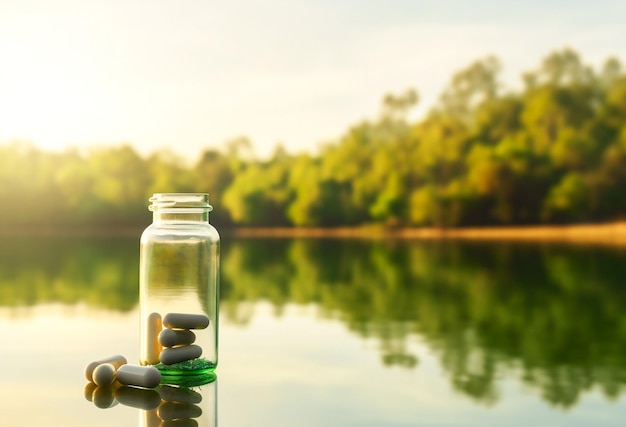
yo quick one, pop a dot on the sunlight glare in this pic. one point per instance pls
(46, 97)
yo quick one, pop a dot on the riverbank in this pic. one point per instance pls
(605, 234)
(611, 233)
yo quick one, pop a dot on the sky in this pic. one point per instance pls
(188, 75)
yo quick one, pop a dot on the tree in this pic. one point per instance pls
(214, 173)
(469, 88)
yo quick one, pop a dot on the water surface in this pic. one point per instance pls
(336, 332)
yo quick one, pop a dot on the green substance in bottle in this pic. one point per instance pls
(189, 373)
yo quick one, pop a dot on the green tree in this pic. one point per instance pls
(121, 184)
(213, 174)
(259, 194)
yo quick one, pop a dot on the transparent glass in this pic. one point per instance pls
(179, 275)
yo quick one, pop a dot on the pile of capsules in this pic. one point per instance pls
(172, 337)
(105, 371)
(170, 340)
(164, 406)
(138, 387)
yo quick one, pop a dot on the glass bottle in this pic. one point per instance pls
(179, 287)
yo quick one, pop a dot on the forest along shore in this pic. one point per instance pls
(610, 234)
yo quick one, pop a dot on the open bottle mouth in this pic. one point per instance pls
(160, 201)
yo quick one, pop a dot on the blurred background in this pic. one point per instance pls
(313, 113)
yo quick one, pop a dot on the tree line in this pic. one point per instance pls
(553, 151)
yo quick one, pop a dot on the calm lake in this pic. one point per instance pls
(328, 332)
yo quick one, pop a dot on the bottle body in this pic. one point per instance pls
(179, 280)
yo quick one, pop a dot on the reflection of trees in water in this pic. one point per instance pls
(101, 272)
(553, 314)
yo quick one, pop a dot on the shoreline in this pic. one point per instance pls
(605, 234)
(608, 234)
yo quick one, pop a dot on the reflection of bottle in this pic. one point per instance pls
(179, 286)
(183, 406)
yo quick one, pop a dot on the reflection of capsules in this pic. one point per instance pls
(179, 406)
(182, 406)
(88, 391)
(170, 393)
(110, 395)
(184, 422)
(169, 411)
(166, 406)
(104, 396)
(139, 398)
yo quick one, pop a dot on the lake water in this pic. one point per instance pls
(324, 332)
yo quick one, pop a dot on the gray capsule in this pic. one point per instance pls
(117, 361)
(141, 376)
(180, 354)
(104, 374)
(171, 337)
(185, 321)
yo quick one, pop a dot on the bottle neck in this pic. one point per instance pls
(180, 216)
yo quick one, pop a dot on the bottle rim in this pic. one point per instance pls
(160, 201)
